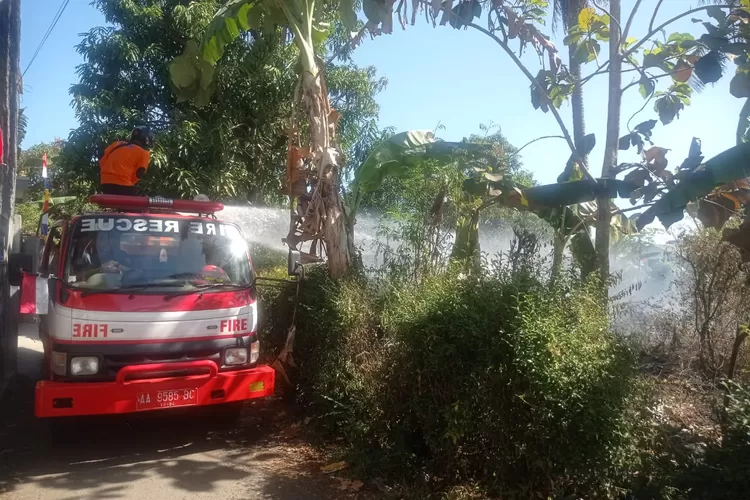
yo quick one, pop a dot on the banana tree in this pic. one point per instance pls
(314, 160)
(567, 206)
(708, 183)
(394, 156)
(478, 161)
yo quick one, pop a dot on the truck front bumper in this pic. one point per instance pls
(140, 388)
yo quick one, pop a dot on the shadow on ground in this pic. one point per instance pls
(160, 455)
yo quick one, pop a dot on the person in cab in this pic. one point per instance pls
(124, 163)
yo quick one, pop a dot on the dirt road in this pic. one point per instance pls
(262, 456)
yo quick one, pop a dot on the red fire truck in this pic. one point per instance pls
(146, 304)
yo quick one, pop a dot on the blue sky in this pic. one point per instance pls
(436, 75)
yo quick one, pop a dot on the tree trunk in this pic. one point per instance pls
(738, 340)
(558, 252)
(604, 215)
(326, 215)
(576, 100)
(466, 247)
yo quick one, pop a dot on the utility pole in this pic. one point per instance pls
(10, 80)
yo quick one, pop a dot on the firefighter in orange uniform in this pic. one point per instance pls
(124, 163)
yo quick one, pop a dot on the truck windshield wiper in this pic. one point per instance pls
(208, 286)
(131, 288)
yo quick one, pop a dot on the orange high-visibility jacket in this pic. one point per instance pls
(120, 163)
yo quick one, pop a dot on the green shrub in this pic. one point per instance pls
(30, 214)
(268, 261)
(502, 381)
(509, 382)
(274, 299)
(338, 347)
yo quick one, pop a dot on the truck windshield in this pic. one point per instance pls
(125, 253)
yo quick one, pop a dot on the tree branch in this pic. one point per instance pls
(602, 69)
(653, 31)
(616, 21)
(637, 112)
(630, 20)
(536, 83)
(535, 140)
(653, 16)
(637, 82)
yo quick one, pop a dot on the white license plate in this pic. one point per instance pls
(166, 399)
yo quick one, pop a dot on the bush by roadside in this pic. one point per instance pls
(505, 382)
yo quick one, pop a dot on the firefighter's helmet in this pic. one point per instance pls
(143, 137)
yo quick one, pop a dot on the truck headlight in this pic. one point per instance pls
(254, 351)
(235, 356)
(84, 365)
(58, 363)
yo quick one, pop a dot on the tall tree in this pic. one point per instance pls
(315, 158)
(234, 146)
(567, 12)
(682, 57)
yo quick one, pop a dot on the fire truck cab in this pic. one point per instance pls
(147, 304)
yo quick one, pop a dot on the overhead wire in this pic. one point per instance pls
(51, 27)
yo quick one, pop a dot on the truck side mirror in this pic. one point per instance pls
(18, 263)
(294, 263)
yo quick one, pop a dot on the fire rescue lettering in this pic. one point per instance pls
(155, 226)
(90, 330)
(233, 325)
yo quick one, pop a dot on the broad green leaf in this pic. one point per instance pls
(680, 37)
(393, 156)
(717, 13)
(587, 51)
(207, 74)
(739, 87)
(668, 106)
(243, 16)
(573, 36)
(347, 14)
(183, 71)
(586, 18)
(736, 48)
(235, 16)
(320, 35)
(646, 87)
(728, 166)
(603, 34)
(629, 42)
(376, 12)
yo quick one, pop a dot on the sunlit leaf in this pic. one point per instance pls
(586, 18)
(347, 14)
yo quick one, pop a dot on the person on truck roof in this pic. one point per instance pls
(124, 163)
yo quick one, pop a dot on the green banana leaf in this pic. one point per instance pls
(728, 166)
(394, 156)
(56, 200)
